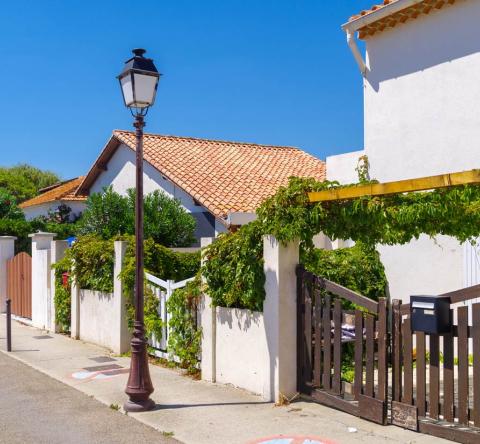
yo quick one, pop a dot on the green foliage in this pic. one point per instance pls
(391, 220)
(234, 269)
(62, 295)
(166, 221)
(110, 214)
(8, 206)
(185, 336)
(93, 259)
(107, 214)
(163, 263)
(358, 268)
(24, 181)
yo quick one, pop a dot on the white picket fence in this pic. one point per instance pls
(163, 290)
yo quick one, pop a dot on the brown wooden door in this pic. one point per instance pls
(19, 284)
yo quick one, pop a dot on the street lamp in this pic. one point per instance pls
(139, 81)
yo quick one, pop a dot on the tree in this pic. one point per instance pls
(8, 206)
(24, 181)
(109, 214)
(166, 221)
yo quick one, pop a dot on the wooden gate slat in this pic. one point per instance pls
(19, 284)
(308, 327)
(382, 349)
(317, 363)
(397, 350)
(337, 347)
(448, 376)
(434, 385)
(327, 343)
(463, 365)
(300, 330)
(476, 363)
(421, 374)
(407, 362)
(358, 354)
(370, 354)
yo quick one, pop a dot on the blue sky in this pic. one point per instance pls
(266, 71)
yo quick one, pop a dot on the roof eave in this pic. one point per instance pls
(372, 17)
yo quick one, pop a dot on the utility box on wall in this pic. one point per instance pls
(430, 314)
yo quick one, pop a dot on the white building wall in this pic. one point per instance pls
(42, 210)
(421, 118)
(341, 167)
(422, 95)
(121, 175)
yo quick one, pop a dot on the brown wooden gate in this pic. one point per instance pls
(436, 379)
(19, 284)
(335, 322)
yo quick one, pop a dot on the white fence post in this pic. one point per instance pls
(208, 321)
(41, 263)
(280, 317)
(7, 251)
(57, 249)
(74, 308)
(121, 333)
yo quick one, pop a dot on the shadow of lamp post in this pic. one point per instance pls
(139, 81)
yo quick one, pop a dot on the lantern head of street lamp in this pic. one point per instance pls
(139, 81)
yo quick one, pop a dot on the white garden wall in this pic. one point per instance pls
(97, 318)
(251, 350)
(242, 357)
(100, 318)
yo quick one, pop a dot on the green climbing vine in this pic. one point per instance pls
(234, 269)
(185, 335)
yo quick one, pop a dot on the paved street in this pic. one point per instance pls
(37, 409)
(197, 412)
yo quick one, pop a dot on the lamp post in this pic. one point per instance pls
(139, 81)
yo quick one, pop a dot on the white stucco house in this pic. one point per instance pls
(220, 183)
(51, 198)
(421, 71)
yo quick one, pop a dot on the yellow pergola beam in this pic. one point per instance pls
(400, 186)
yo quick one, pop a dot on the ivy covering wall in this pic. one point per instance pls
(234, 269)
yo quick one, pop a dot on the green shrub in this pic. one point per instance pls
(91, 262)
(185, 335)
(233, 269)
(62, 296)
(163, 263)
(358, 268)
(110, 214)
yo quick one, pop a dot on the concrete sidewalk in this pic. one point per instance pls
(196, 412)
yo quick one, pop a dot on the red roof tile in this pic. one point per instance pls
(222, 176)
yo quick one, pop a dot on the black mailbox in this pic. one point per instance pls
(431, 314)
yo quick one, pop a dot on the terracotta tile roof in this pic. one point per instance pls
(410, 12)
(64, 191)
(222, 176)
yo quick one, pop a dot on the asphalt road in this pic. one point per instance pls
(36, 409)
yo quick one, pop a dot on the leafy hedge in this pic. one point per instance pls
(62, 296)
(358, 268)
(234, 270)
(185, 335)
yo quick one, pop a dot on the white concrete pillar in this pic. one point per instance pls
(7, 251)
(280, 317)
(41, 266)
(122, 336)
(57, 251)
(208, 321)
(75, 310)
